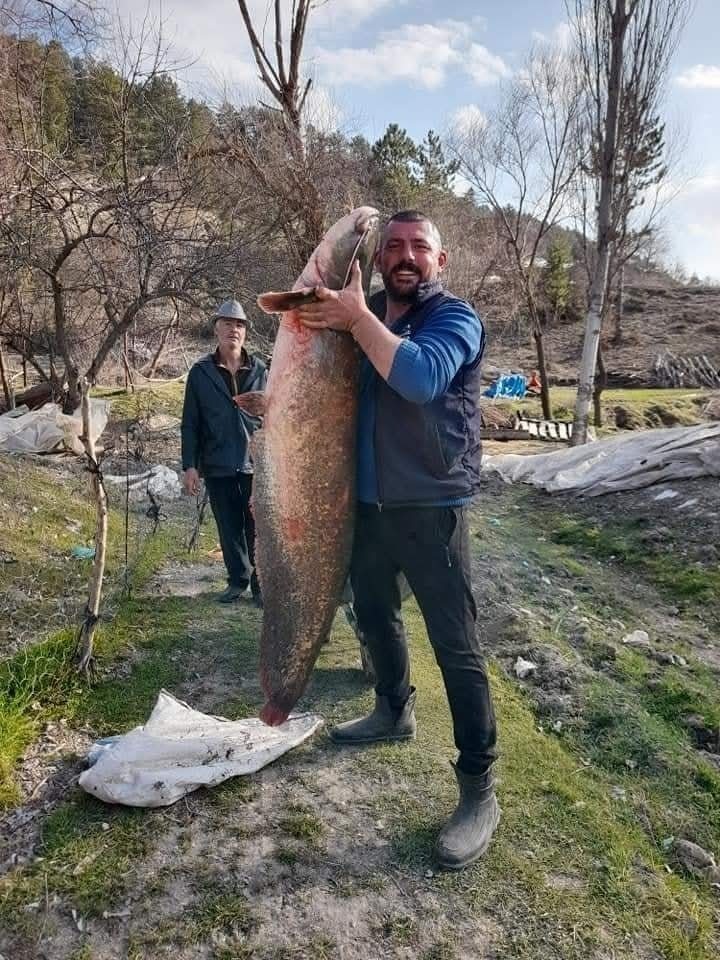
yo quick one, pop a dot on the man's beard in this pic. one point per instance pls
(401, 294)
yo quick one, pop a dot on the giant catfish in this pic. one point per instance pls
(304, 456)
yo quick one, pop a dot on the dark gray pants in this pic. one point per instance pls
(431, 546)
(230, 502)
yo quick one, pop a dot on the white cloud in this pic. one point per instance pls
(560, 36)
(356, 10)
(700, 77)
(467, 118)
(484, 67)
(418, 53)
(694, 219)
(323, 111)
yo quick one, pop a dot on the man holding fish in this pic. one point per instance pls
(418, 468)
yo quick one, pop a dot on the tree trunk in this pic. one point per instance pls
(7, 388)
(163, 340)
(619, 306)
(73, 397)
(593, 322)
(542, 370)
(599, 386)
(92, 610)
(129, 385)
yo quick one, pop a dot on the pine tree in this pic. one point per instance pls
(556, 279)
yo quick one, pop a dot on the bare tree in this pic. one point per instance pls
(624, 50)
(285, 154)
(96, 249)
(521, 163)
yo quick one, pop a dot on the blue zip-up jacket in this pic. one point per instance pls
(419, 433)
(215, 433)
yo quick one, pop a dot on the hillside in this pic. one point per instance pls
(684, 320)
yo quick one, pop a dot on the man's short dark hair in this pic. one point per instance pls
(414, 216)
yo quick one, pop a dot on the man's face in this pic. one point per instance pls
(230, 333)
(409, 254)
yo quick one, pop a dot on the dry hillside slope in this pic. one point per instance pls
(684, 320)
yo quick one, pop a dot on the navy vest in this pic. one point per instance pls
(427, 453)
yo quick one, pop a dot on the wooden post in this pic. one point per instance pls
(97, 486)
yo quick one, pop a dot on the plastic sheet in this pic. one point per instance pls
(618, 463)
(49, 430)
(180, 749)
(161, 481)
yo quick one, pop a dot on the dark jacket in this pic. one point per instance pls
(427, 453)
(215, 433)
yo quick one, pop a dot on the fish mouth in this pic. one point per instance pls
(366, 225)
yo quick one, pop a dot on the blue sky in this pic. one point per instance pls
(419, 62)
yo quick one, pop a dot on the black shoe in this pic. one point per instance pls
(231, 594)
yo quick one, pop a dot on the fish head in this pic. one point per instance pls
(354, 237)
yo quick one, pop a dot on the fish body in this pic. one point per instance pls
(304, 485)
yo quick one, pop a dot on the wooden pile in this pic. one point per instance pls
(672, 371)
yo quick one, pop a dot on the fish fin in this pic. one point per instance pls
(285, 301)
(273, 716)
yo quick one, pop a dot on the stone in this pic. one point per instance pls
(638, 638)
(524, 668)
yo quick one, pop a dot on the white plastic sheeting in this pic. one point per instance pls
(619, 463)
(180, 749)
(49, 430)
(161, 481)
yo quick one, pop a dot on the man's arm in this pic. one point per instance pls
(190, 426)
(424, 367)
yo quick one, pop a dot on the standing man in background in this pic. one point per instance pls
(222, 408)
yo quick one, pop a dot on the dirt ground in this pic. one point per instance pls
(327, 852)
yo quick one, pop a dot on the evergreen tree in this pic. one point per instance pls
(437, 172)
(556, 280)
(58, 82)
(395, 160)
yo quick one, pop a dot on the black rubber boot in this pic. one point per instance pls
(231, 594)
(467, 834)
(384, 723)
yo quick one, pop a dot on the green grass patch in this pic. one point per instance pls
(644, 408)
(623, 543)
(219, 911)
(303, 825)
(41, 683)
(89, 854)
(144, 401)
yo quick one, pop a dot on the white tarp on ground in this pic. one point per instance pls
(161, 481)
(180, 749)
(619, 463)
(49, 430)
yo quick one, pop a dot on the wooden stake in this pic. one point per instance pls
(97, 486)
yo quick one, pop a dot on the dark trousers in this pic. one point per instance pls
(431, 546)
(230, 502)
